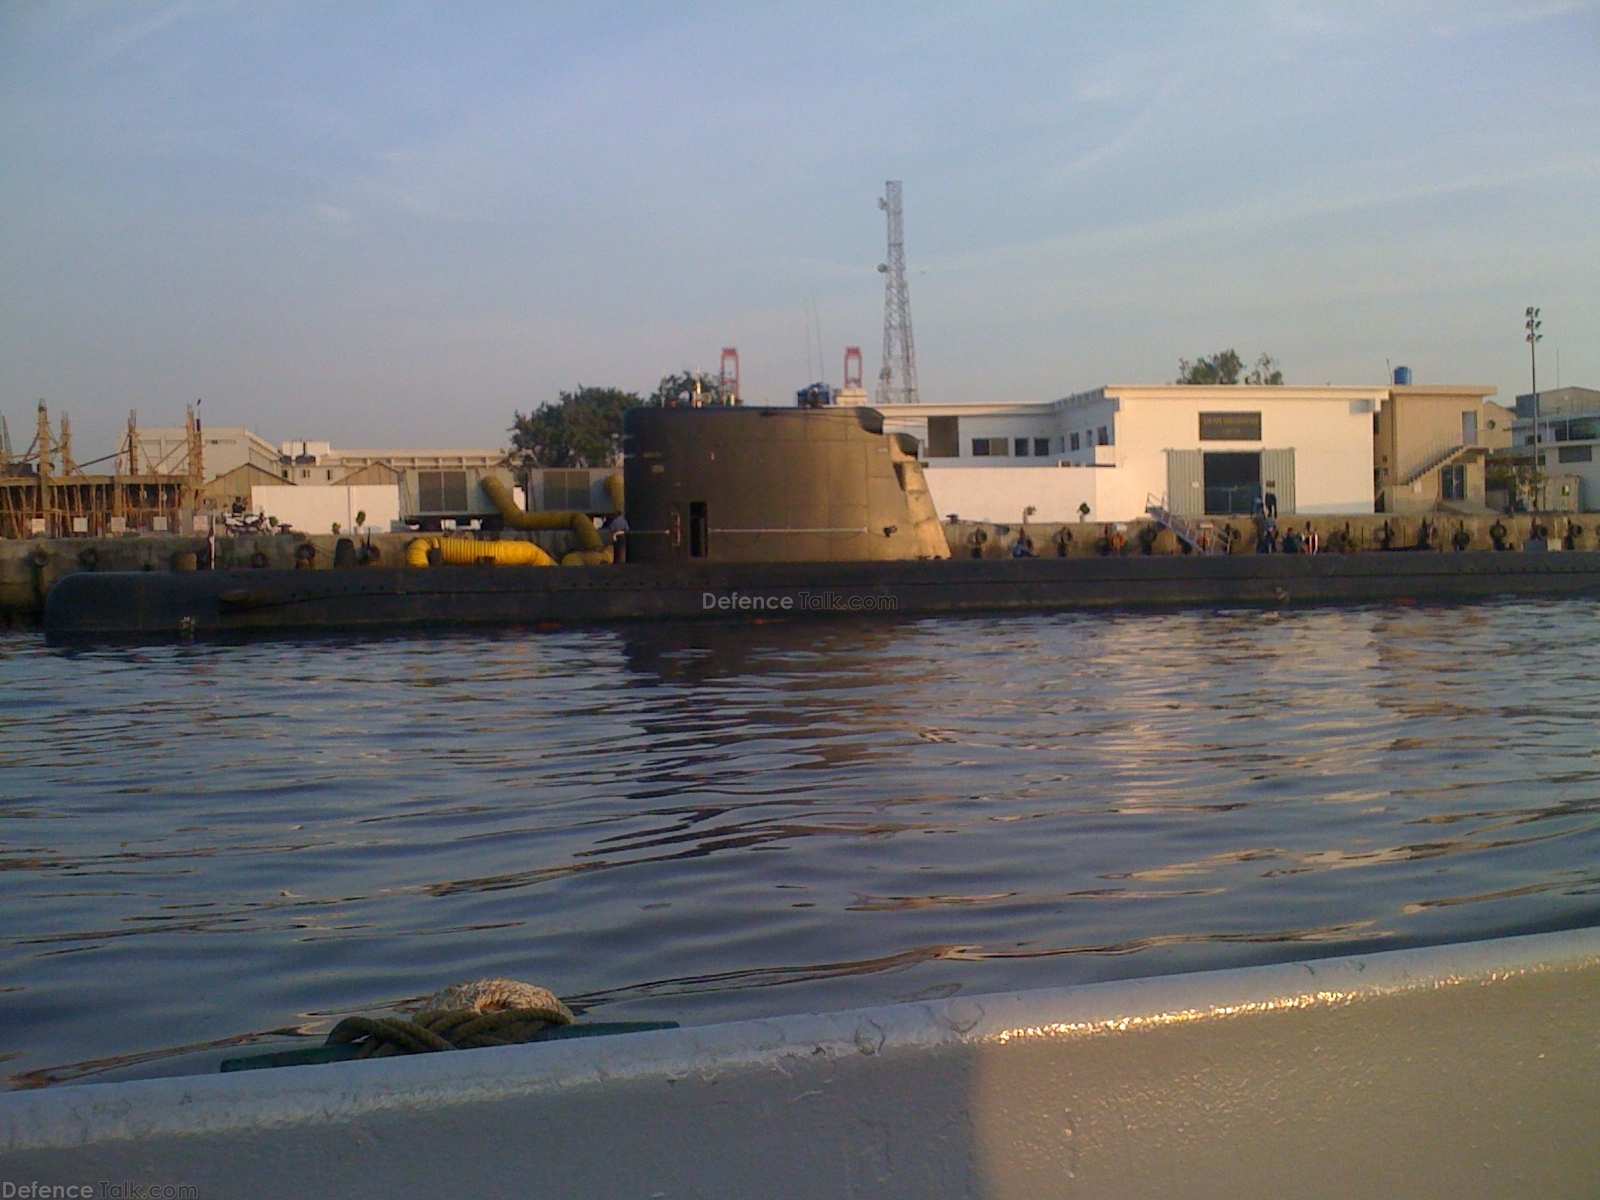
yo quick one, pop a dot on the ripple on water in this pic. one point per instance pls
(215, 845)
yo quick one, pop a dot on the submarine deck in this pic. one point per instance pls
(98, 605)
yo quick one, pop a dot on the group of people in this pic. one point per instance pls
(1265, 505)
(1291, 541)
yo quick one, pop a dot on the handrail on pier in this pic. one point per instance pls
(1201, 536)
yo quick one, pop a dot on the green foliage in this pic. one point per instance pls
(581, 429)
(584, 427)
(1225, 366)
(688, 388)
(1266, 371)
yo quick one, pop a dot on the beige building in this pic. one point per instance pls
(1429, 445)
(165, 451)
(238, 483)
(311, 462)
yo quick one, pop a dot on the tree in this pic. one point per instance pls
(688, 388)
(1266, 370)
(1224, 367)
(581, 429)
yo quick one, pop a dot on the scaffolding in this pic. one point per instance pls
(44, 492)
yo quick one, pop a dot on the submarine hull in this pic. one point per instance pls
(97, 605)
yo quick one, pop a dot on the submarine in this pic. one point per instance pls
(748, 514)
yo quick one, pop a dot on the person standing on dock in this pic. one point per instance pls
(614, 536)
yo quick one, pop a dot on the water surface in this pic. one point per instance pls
(237, 844)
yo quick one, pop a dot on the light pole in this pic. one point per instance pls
(1532, 325)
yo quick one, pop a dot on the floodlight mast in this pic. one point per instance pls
(1534, 337)
(897, 380)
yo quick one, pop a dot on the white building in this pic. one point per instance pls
(165, 451)
(318, 507)
(309, 462)
(1119, 448)
(1569, 432)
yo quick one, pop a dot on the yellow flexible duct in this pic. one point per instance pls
(500, 496)
(462, 552)
(614, 490)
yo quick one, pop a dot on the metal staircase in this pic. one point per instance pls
(1201, 536)
(1442, 458)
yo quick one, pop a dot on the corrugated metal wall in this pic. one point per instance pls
(1186, 493)
(1277, 476)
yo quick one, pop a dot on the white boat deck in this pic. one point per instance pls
(1463, 1071)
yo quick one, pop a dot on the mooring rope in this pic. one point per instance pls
(488, 1012)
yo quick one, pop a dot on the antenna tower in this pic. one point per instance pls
(897, 381)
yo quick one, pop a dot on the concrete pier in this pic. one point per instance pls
(29, 568)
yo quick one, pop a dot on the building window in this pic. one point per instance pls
(1041, 447)
(980, 447)
(566, 491)
(1453, 482)
(944, 437)
(991, 447)
(1105, 435)
(1088, 437)
(1574, 454)
(1076, 442)
(1021, 448)
(442, 491)
(1581, 429)
(1469, 429)
(1230, 427)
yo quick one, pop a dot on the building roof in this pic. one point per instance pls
(1188, 391)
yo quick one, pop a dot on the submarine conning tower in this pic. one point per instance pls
(753, 484)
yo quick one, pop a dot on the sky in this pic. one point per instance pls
(398, 224)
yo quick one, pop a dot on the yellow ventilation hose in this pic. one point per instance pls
(579, 523)
(463, 552)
